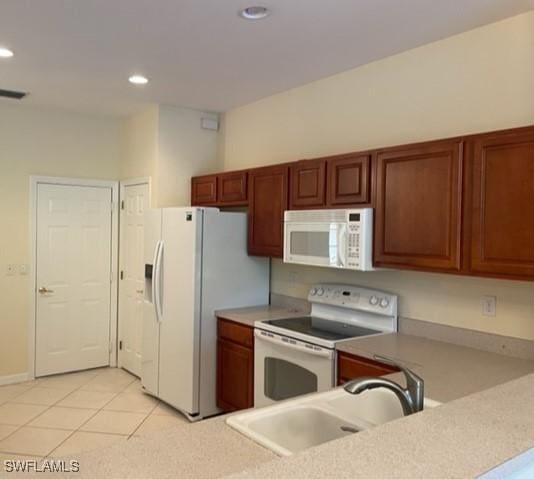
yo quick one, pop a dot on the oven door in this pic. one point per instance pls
(285, 368)
(318, 244)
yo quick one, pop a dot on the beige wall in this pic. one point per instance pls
(168, 144)
(39, 142)
(477, 81)
(185, 150)
(139, 146)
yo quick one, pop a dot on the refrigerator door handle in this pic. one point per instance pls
(154, 270)
(157, 282)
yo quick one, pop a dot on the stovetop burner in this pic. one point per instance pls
(322, 328)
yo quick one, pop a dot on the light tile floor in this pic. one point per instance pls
(71, 413)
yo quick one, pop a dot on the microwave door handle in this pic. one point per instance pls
(342, 246)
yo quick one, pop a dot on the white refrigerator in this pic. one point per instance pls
(195, 263)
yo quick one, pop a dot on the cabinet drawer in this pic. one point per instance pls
(235, 332)
(351, 367)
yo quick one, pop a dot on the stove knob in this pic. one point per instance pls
(313, 291)
(320, 292)
(384, 303)
(373, 301)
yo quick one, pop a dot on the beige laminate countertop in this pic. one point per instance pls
(460, 439)
(249, 316)
(450, 371)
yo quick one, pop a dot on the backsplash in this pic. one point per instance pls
(450, 300)
(493, 343)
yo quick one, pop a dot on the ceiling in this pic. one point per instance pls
(78, 54)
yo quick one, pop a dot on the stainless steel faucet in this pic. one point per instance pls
(411, 398)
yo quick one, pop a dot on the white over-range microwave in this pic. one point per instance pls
(331, 238)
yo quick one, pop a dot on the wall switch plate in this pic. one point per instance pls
(10, 270)
(23, 269)
(489, 305)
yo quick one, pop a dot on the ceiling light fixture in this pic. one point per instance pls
(5, 52)
(254, 13)
(138, 80)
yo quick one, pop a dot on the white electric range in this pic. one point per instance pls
(297, 355)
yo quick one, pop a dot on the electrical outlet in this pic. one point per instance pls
(293, 277)
(489, 305)
(10, 270)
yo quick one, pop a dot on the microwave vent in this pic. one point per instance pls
(316, 216)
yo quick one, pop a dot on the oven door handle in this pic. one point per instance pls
(322, 352)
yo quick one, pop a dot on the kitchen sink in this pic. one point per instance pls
(297, 424)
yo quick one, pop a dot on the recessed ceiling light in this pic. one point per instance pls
(254, 13)
(138, 80)
(5, 53)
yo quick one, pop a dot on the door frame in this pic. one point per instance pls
(35, 181)
(146, 180)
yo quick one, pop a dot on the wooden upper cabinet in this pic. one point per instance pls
(308, 184)
(418, 215)
(502, 222)
(268, 199)
(232, 188)
(203, 190)
(348, 180)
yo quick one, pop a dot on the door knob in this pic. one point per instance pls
(44, 290)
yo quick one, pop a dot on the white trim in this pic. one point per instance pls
(13, 379)
(122, 185)
(51, 180)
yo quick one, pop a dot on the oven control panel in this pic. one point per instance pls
(354, 297)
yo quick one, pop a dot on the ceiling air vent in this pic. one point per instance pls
(17, 95)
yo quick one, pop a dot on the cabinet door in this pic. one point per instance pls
(418, 207)
(502, 241)
(268, 199)
(308, 184)
(232, 188)
(348, 180)
(352, 367)
(203, 190)
(235, 376)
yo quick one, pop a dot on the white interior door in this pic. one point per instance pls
(131, 286)
(73, 278)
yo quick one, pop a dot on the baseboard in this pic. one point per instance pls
(14, 378)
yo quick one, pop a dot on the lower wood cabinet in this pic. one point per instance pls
(350, 367)
(235, 366)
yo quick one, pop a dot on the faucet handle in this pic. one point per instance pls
(414, 383)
